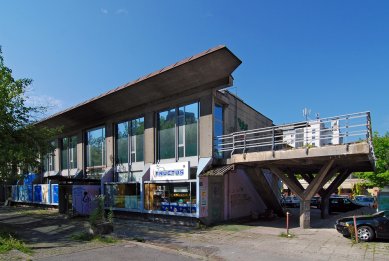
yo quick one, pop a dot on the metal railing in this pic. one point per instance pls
(343, 129)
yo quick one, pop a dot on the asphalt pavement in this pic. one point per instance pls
(50, 237)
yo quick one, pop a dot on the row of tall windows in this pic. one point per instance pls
(178, 132)
(177, 138)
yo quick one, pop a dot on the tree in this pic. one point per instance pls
(22, 142)
(380, 177)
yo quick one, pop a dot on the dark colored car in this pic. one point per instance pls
(316, 202)
(341, 204)
(368, 226)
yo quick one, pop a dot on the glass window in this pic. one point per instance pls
(166, 134)
(126, 196)
(95, 151)
(171, 197)
(49, 158)
(65, 153)
(218, 125)
(129, 142)
(73, 152)
(137, 139)
(122, 144)
(178, 126)
(69, 153)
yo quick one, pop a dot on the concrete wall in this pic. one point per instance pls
(215, 200)
(241, 198)
(238, 115)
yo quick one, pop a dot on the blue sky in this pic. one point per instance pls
(329, 56)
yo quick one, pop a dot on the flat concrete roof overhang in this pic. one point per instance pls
(207, 70)
(354, 157)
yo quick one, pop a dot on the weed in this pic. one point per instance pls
(89, 237)
(9, 242)
(290, 235)
(232, 228)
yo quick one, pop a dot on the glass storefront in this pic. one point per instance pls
(95, 152)
(122, 196)
(178, 132)
(172, 197)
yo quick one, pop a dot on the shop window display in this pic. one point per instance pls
(171, 197)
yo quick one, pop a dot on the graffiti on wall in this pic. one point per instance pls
(83, 198)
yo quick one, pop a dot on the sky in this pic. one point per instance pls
(329, 56)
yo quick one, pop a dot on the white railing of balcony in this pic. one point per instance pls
(342, 129)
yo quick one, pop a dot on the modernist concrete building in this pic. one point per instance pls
(151, 143)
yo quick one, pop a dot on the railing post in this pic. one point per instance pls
(244, 142)
(272, 139)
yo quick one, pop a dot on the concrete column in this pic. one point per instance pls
(109, 141)
(305, 213)
(206, 126)
(149, 145)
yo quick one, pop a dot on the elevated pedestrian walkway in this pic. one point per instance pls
(320, 150)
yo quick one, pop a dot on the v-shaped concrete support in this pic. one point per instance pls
(305, 195)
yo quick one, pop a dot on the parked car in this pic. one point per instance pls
(316, 201)
(364, 200)
(368, 226)
(292, 201)
(341, 204)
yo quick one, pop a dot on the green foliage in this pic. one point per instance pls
(21, 140)
(8, 242)
(359, 188)
(380, 177)
(96, 238)
(98, 215)
(242, 125)
(290, 235)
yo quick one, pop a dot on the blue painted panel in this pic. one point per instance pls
(54, 193)
(37, 193)
(15, 194)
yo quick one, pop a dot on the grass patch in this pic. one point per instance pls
(232, 228)
(37, 212)
(290, 235)
(9, 242)
(90, 238)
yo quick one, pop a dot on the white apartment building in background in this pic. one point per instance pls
(316, 133)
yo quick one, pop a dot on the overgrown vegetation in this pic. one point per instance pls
(380, 177)
(98, 215)
(8, 242)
